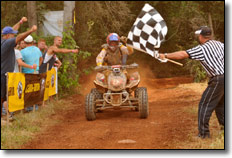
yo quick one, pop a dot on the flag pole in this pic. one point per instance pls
(172, 61)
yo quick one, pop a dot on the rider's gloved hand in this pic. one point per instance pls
(99, 64)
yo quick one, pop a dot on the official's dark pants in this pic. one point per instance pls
(212, 99)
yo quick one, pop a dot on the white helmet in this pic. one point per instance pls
(28, 39)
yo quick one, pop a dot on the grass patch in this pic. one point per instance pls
(196, 87)
(26, 125)
(217, 135)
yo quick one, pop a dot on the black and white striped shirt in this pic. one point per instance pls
(211, 56)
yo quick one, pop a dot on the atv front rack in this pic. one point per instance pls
(115, 99)
(102, 104)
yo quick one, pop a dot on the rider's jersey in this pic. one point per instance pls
(109, 57)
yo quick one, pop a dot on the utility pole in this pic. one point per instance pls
(211, 24)
(31, 13)
(68, 13)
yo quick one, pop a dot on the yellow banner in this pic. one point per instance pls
(16, 87)
(50, 88)
(52, 79)
(47, 85)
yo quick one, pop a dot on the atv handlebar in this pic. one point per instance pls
(102, 68)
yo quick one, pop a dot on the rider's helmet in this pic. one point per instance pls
(113, 41)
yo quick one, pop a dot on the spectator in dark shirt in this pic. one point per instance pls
(8, 43)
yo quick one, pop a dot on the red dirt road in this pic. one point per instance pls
(166, 125)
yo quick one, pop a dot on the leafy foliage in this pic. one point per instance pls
(68, 72)
(9, 16)
(96, 19)
(196, 70)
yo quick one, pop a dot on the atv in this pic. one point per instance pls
(116, 91)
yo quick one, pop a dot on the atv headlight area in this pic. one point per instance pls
(100, 77)
(117, 83)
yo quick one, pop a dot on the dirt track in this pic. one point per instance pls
(166, 126)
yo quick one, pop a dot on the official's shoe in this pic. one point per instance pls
(203, 136)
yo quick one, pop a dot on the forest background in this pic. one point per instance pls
(96, 19)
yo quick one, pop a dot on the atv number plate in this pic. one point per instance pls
(116, 98)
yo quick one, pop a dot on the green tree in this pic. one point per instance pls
(96, 19)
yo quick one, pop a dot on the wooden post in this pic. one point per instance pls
(56, 97)
(45, 84)
(7, 113)
(34, 104)
(57, 84)
(20, 70)
(47, 67)
(7, 101)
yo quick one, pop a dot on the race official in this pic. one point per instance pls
(210, 53)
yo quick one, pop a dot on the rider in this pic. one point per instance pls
(112, 53)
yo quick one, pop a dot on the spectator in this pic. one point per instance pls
(31, 55)
(19, 62)
(42, 46)
(50, 56)
(8, 43)
(21, 45)
(57, 63)
(34, 43)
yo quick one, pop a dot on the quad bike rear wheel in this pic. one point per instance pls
(143, 102)
(90, 108)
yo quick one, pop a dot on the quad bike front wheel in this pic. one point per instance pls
(90, 108)
(143, 102)
(97, 94)
(136, 94)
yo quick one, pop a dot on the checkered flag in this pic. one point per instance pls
(148, 31)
